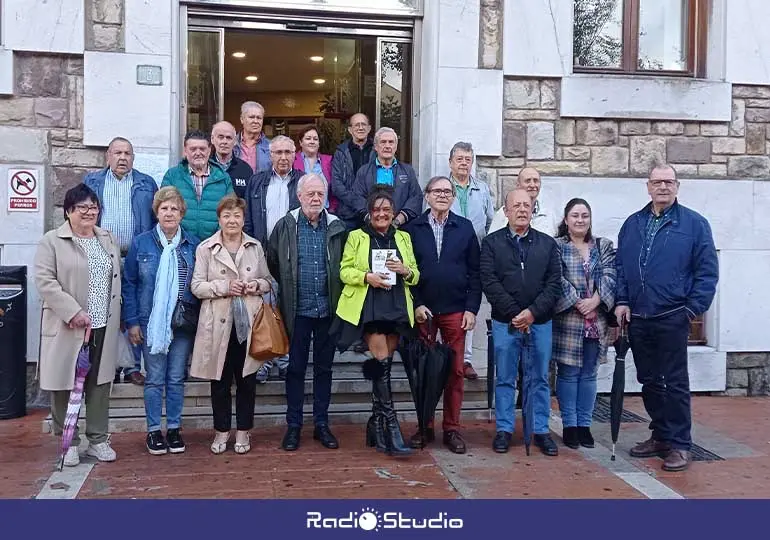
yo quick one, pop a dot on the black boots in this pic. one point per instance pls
(570, 437)
(383, 431)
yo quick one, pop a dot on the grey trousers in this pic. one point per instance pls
(96, 397)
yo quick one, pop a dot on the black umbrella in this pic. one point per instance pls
(490, 369)
(618, 385)
(527, 414)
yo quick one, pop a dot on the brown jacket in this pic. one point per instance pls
(61, 277)
(214, 268)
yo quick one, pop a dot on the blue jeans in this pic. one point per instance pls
(510, 345)
(166, 372)
(576, 387)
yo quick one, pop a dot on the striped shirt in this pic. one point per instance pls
(438, 231)
(183, 271)
(200, 181)
(117, 214)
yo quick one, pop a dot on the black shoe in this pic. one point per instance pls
(502, 442)
(156, 444)
(323, 434)
(371, 431)
(282, 373)
(116, 380)
(585, 437)
(570, 437)
(417, 441)
(291, 439)
(546, 445)
(175, 442)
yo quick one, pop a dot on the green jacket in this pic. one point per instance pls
(282, 260)
(354, 267)
(201, 217)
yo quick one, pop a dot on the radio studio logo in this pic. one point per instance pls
(371, 519)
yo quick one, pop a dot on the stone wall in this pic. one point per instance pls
(748, 374)
(105, 25)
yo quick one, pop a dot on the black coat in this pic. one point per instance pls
(512, 286)
(256, 197)
(240, 173)
(343, 179)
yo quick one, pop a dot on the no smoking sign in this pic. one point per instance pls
(23, 188)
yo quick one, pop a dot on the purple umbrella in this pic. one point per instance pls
(76, 398)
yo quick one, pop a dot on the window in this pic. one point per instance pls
(697, 331)
(640, 36)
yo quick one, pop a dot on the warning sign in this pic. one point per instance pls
(23, 188)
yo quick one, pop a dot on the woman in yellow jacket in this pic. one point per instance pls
(378, 307)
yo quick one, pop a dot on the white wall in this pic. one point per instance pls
(54, 26)
(748, 41)
(538, 38)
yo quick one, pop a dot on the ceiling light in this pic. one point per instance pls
(316, 58)
(252, 78)
(319, 81)
(239, 54)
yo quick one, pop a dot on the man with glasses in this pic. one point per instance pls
(449, 293)
(667, 275)
(125, 196)
(350, 156)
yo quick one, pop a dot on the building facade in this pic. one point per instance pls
(590, 92)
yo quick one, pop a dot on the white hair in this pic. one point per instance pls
(382, 131)
(251, 105)
(312, 176)
(283, 138)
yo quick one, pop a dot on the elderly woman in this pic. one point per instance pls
(160, 313)
(77, 274)
(377, 269)
(230, 264)
(580, 327)
(309, 160)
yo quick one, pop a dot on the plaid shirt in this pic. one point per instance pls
(438, 231)
(200, 181)
(312, 285)
(117, 214)
(654, 223)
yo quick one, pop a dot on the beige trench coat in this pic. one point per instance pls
(214, 268)
(61, 277)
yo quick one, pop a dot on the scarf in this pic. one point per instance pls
(159, 334)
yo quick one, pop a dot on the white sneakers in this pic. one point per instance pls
(72, 458)
(101, 451)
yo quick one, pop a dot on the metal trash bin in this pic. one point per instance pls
(13, 342)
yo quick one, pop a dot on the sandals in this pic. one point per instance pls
(242, 442)
(220, 442)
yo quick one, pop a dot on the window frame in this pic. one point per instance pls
(697, 30)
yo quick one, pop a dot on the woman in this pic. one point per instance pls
(77, 274)
(580, 328)
(378, 306)
(308, 160)
(156, 286)
(229, 265)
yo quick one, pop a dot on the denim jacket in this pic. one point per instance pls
(481, 211)
(142, 192)
(139, 273)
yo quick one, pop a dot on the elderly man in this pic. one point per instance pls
(521, 277)
(125, 196)
(223, 139)
(269, 196)
(310, 288)
(543, 217)
(386, 170)
(201, 183)
(472, 201)
(350, 156)
(449, 292)
(252, 145)
(667, 275)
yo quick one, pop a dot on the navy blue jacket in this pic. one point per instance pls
(682, 268)
(139, 273)
(240, 173)
(256, 200)
(142, 192)
(407, 193)
(450, 283)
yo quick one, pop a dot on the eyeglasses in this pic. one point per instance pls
(86, 208)
(359, 125)
(442, 192)
(659, 183)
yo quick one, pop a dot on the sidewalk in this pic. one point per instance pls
(734, 431)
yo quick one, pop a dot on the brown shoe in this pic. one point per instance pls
(454, 442)
(417, 441)
(677, 460)
(650, 448)
(136, 378)
(469, 372)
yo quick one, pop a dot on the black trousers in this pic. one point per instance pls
(660, 355)
(245, 390)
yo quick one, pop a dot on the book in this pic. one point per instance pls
(379, 257)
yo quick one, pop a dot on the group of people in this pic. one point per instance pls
(351, 249)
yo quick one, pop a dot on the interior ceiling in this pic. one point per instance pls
(283, 63)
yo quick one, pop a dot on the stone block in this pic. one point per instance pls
(561, 167)
(490, 35)
(757, 115)
(737, 378)
(758, 92)
(609, 160)
(755, 139)
(521, 94)
(549, 94)
(21, 144)
(668, 128)
(490, 177)
(74, 65)
(734, 392)
(718, 159)
(51, 112)
(688, 150)
(540, 140)
(107, 11)
(738, 121)
(576, 153)
(565, 132)
(728, 145)
(635, 128)
(497, 162)
(77, 157)
(624, 140)
(106, 38)
(76, 102)
(749, 166)
(57, 217)
(17, 111)
(714, 130)
(759, 381)
(514, 139)
(645, 151)
(684, 170)
(530, 114)
(713, 170)
(691, 129)
(58, 137)
(38, 75)
(597, 133)
(768, 133)
(758, 103)
(65, 178)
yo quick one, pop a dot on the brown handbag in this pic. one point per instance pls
(268, 335)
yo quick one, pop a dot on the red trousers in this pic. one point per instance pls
(452, 334)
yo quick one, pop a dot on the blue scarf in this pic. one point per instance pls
(159, 334)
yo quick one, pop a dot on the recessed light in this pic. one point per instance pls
(316, 58)
(319, 81)
(239, 54)
(252, 78)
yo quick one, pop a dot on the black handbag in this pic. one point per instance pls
(185, 317)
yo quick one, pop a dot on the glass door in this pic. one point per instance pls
(394, 91)
(205, 78)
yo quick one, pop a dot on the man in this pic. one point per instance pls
(449, 292)
(386, 170)
(223, 140)
(473, 201)
(310, 288)
(667, 275)
(350, 156)
(269, 196)
(521, 277)
(252, 145)
(543, 218)
(201, 183)
(125, 196)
